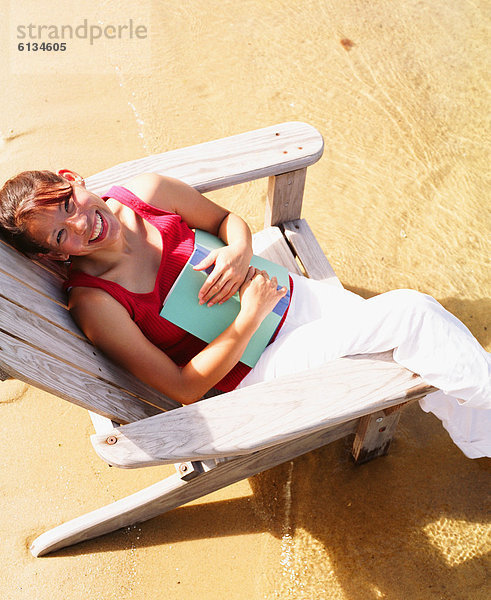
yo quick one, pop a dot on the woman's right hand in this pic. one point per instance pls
(259, 294)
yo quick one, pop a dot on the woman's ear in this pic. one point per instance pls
(71, 176)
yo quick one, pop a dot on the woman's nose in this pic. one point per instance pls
(77, 223)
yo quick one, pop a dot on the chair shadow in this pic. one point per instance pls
(385, 528)
(407, 525)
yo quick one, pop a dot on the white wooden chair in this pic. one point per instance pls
(223, 438)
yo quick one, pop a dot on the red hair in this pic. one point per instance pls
(20, 197)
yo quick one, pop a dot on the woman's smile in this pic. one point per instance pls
(99, 230)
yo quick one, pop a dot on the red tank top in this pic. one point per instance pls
(144, 309)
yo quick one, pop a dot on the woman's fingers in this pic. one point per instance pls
(225, 292)
(220, 290)
(209, 290)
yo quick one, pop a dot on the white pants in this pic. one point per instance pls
(326, 322)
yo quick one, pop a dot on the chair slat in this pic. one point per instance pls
(174, 491)
(27, 327)
(16, 265)
(309, 252)
(270, 243)
(47, 373)
(31, 300)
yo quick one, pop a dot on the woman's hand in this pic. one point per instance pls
(259, 294)
(231, 265)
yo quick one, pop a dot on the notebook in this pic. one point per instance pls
(182, 307)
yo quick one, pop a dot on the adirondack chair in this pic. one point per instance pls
(223, 438)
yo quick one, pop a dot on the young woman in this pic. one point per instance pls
(127, 248)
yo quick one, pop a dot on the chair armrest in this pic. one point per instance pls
(263, 415)
(221, 163)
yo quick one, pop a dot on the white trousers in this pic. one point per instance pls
(326, 322)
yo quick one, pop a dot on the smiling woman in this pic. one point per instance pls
(54, 215)
(22, 196)
(75, 226)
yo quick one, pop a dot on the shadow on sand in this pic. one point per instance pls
(407, 525)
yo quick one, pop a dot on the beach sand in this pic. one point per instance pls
(399, 199)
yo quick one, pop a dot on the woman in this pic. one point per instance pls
(127, 248)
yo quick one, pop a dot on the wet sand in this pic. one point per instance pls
(399, 199)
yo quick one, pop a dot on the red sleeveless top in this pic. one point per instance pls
(144, 309)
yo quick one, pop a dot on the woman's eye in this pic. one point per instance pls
(67, 204)
(58, 237)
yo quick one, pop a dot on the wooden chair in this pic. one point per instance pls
(220, 439)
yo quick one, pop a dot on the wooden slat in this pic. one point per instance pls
(43, 335)
(16, 265)
(285, 196)
(26, 298)
(213, 165)
(265, 414)
(310, 254)
(270, 243)
(37, 368)
(28, 328)
(173, 492)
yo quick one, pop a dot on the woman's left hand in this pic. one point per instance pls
(231, 267)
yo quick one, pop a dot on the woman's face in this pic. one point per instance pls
(80, 226)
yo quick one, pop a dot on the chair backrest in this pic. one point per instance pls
(39, 342)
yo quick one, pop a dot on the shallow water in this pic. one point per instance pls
(399, 199)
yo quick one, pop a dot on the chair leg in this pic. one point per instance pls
(375, 433)
(175, 491)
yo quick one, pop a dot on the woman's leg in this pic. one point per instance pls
(327, 323)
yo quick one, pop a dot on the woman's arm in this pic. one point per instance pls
(108, 325)
(232, 261)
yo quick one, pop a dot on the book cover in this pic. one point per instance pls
(182, 307)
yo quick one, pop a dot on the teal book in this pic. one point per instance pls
(182, 307)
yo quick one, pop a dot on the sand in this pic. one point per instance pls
(399, 199)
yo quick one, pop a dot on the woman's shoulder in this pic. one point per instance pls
(152, 189)
(90, 295)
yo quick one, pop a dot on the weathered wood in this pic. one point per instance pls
(270, 243)
(285, 196)
(375, 432)
(253, 418)
(14, 264)
(309, 252)
(173, 492)
(31, 301)
(213, 165)
(4, 375)
(47, 373)
(39, 334)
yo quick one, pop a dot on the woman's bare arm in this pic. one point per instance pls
(232, 261)
(108, 325)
